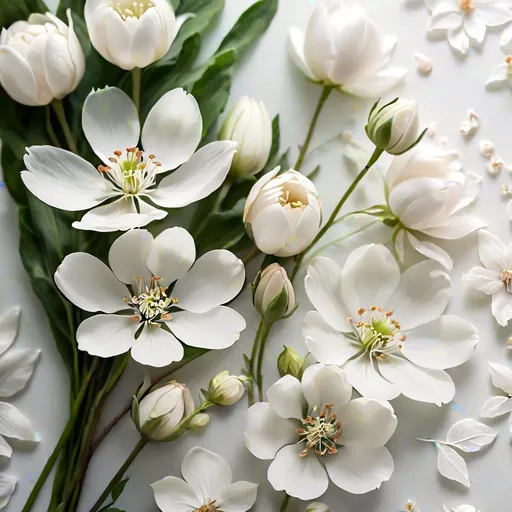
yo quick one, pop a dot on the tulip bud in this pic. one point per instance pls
(131, 34)
(290, 363)
(318, 507)
(282, 213)
(394, 127)
(248, 124)
(273, 292)
(225, 389)
(162, 410)
(199, 421)
(40, 59)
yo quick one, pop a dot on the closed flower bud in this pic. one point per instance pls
(290, 363)
(318, 507)
(271, 285)
(40, 59)
(282, 213)
(395, 127)
(162, 410)
(226, 389)
(248, 124)
(131, 34)
(199, 421)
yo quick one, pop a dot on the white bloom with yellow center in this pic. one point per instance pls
(502, 73)
(128, 176)
(387, 330)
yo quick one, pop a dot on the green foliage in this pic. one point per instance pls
(116, 493)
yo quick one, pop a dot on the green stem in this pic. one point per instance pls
(61, 116)
(136, 79)
(223, 192)
(49, 128)
(312, 126)
(285, 503)
(332, 219)
(263, 335)
(252, 361)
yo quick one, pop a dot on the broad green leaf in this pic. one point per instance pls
(118, 489)
(14, 10)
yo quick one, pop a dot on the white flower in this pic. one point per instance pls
(427, 192)
(311, 429)
(502, 73)
(387, 330)
(250, 126)
(131, 34)
(273, 281)
(226, 389)
(343, 47)
(171, 134)
(499, 405)
(40, 59)
(495, 277)
(207, 486)
(465, 19)
(143, 269)
(282, 213)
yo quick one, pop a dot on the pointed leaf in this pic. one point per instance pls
(496, 406)
(451, 465)
(470, 436)
(501, 377)
(16, 368)
(118, 489)
(14, 424)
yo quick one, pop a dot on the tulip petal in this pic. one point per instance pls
(146, 42)
(15, 425)
(271, 229)
(432, 251)
(16, 368)
(156, 347)
(375, 85)
(17, 78)
(305, 231)
(457, 226)
(296, 50)
(58, 66)
(119, 35)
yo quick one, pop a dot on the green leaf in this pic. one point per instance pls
(118, 489)
(273, 158)
(14, 10)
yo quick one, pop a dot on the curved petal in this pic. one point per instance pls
(89, 284)
(7, 486)
(304, 232)
(17, 78)
(443, 19)
(216, 278)
(63, 180)
(455, 227)
(110, 122)
(267, 432)
(238, 497)
(5, 451)
(327, 345)
(322, 385)
(296, 50)
(16, 368)
(475, 27)
(501, 377)
(173, 129)
(59, 72)
(458, 39)
(156, 347)
(494, 14)
(286, 398)
(197, 178)
(301, 477)
(174, 495)
(15, 425)
(216, 329)
(493, 252)
(431, 251)
(496, 406)
(271, 229)
(256, 188)
(172, 254)
(9, 324)
(445, 342)
(107, 335)
(358, 470)
(372, 86)
(502, 306)
(487, 281)
(498, 76)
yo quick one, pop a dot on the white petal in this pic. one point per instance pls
(443, 20)
(496, 406)
(505, 40)
(470, 435)
(63, 180)
(107, 335)
(323, 287)
(7, 486)
(197, 178)
(110, 122)
(175, 495)
(173, 129)
(359, 470)
(494, 14)
(128, 254)
(156, 347)
(373, 86)
(499, 74)
(296, 50)
(443, 343)
(16, 368)
(271, 229)
(304, 232)
(216, 329)
(206, 472)
(9, 323)
(488, 281)
(493, 252)
(15, 425)
(286, 398)
(369, 277)
(5, 449)
(501, 377)
(502, 306)
(301, 477)
(172, 254)
(422, 295)
(238, 497)
(367, 423)
(89, 284)
(267, 432)
(325, 344)
(432, 251)
(455, 227)
(216, 278)
(421, 384)
(475, 27)
(451, 465)
(323, 385)
(58, 65)
(458, 39)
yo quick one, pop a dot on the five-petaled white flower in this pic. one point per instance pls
(312, 429)
(495, 277)
(387, 330)
(144, 313)
(171, 134)
(207, 486)
(499, 405)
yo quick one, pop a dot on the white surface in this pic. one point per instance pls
(454, 86)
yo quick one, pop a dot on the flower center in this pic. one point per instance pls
(208, 507)
(506, 279)
(321, 433)
(293, 196)
(129, 9)
(466, 5)
(130, 173)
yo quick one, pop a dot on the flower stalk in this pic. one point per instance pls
(58, 107)
(285, 503)
(136, 83)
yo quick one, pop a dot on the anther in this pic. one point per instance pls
(361, 311)
(117, 152)
(389, 313)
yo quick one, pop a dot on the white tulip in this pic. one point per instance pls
(226, 389)
(40, 59)
(343, 48)
(248, 124)
(273, 281)
(282, 213)
(131, 34)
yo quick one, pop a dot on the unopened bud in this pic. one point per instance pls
(199, 421)
(290, 362)
(226, 389)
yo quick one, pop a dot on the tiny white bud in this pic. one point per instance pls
(318, 507)
(270, 284)
(199, 421)
(226, 389)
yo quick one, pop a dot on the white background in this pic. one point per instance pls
(455, 85)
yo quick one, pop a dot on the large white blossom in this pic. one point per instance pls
(387, 330)
(313, 432)
(144, 313)
(128, 178)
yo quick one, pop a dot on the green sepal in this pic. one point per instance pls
(277, 308)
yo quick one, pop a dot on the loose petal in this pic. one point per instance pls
(9, 324)
(15, 425)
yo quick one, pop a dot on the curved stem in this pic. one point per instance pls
(285, 503)
(263, 335)
(307, 141)
(252, 361)
(61, 116)
(136, 79)
(49, 128)
(332, 219)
